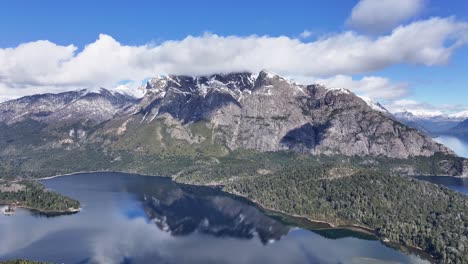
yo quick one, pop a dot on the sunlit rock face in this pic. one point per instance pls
(267, 112)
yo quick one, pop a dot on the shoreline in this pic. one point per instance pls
(363, 229)
(87, 172)
(431, 175)
(353, 227)
(331, 226)
(62, 175)
(42, 211)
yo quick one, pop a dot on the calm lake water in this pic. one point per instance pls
(137, 219)
(457, 184)
(460, 146)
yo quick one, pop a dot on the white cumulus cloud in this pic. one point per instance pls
(377, 16)
(44, 66)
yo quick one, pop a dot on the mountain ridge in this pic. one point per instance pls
(432, 124)
(79, 102)
(461, 130)
(240, 101)
(214, 115)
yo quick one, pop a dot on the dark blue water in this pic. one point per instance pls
(460, 147)
(457, 184)
(136, 219)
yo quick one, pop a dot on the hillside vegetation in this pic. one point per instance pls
(342, 192)
(33, 195)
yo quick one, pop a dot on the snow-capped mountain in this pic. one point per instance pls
(375, 105)
(421, 114)
(96, 106)
(430, 122)
(461, 130)
(461, 115)
(262, 112)
(220, 113)
(267, 112)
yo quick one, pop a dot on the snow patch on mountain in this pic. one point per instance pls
(374, 105)
(137, 93)
(432, 114)
(95, 105)
(422, 113)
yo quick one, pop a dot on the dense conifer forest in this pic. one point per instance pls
(33, 195)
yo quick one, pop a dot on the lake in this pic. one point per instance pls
(140, 219)
(460, 146)
(457, 184)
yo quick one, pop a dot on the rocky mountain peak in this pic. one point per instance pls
(263, 112)
(96, 105)
(267, 78)
(234, 81)
(267, 112)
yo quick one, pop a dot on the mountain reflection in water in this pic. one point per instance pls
(137, 219)
(182, 210)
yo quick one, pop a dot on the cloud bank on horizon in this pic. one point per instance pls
(43, 66)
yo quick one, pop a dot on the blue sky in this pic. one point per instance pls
(140, 22)
(419, 82)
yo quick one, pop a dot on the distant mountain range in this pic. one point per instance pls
(461, 130)
(432, 124)
(84, 105)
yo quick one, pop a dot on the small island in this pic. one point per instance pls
(34, 196)
(9, 210)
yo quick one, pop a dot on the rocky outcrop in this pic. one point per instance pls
(465, 169)
(454, 167)
(267, 112)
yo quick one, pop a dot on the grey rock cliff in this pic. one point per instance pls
(262, 112)
(267, 112)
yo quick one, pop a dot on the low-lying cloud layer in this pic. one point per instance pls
(43, 66)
